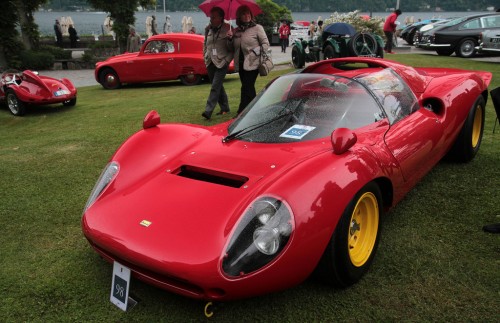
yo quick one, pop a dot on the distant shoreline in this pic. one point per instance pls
(90, 22)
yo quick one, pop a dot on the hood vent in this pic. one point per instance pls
(211, 176)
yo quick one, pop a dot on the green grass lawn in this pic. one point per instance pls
(434, 263)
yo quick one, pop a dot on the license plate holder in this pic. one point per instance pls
(120, 286)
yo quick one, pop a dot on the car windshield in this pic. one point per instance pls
(301, 107)
(455, 21)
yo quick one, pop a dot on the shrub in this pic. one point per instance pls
(57, 52)
(374, 25)
(36, 60)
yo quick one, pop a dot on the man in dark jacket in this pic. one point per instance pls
(58, 31)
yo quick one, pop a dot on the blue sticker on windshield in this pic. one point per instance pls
(297, 131)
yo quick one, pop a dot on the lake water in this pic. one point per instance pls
(90, 23)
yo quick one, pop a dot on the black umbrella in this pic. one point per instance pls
(339, 28)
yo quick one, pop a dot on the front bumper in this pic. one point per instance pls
(433, 46)
(482, 49)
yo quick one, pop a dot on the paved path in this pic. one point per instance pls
(86, 77)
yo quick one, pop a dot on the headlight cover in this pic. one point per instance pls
(108, 174)
(261, 235)
(426, 28)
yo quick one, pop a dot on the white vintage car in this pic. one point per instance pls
(298, 31)
(489, 41)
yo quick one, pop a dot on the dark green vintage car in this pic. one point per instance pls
(337, 40)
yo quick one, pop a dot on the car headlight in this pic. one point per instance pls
(426, 28)
(108, 174)
(261, 235)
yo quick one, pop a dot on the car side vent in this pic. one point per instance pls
(435, 105)
(211, 176)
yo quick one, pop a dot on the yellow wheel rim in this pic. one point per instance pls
(363, 229)
(476, 127)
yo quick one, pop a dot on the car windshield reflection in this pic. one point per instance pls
(301, 107)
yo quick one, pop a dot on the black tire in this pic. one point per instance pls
(466, 48)
(444, 51)
(416, 39)
(109, 79)
(410, 37)
(469, 139)
(16, 106)
(70, 103)
(363, 44)
(353, 244)
(329, 52)
(297, 61)
(191, 79)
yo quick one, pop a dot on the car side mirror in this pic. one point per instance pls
(342, 140)
(152, 119)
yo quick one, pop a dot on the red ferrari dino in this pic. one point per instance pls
(162, 57)
(296, 185)
(20, 89)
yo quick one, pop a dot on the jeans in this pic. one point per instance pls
(247, 79)
(217, 92)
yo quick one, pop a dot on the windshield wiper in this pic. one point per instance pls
(239, 133)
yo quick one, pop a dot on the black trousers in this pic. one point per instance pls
(247, 79)
(389, 44)
(284, 44)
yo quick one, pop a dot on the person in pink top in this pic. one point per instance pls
(390, 29)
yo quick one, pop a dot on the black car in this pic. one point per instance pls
(409, 31)
(460, 35)
(421, 35)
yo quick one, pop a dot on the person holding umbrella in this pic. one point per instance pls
(249, 40)
(218, 53)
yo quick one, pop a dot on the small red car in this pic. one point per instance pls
(20, 89)
(161, 58)
(297, 184)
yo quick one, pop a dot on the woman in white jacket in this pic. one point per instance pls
(249, 40)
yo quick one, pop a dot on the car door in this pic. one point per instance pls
(416, 142)
(415, 134)
(158, 62)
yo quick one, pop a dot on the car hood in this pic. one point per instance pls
(120, 57)
(180, 192)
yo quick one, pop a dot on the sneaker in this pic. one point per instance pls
(222, 113)
(205, 115)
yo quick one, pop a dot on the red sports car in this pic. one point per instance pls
(296, 184)
(161, 58)
(20, 89)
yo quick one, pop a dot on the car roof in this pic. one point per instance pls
(177, 37)
(415, 80)
(481, 15)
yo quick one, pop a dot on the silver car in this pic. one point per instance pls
(489, 41)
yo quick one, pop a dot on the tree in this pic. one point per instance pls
(29, 29)
(9, 44)
(271, 15)
(122, 13)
